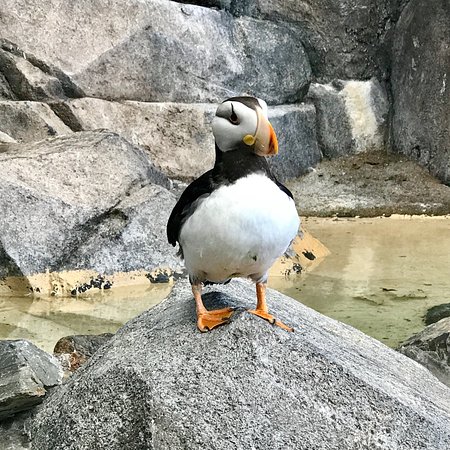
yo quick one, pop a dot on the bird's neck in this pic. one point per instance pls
(238, 163)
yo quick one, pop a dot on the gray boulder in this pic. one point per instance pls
(420, 85)
(178, 136)
(160, 384)
(334, 131)
(25, 373)
(130, 235)
(343, 38)
(30, 78)
(45, 28)
(192, 54)
(160, 51)
(88, 201)
(352, 116)
(30, 121)
(431, 348)
(436, 313)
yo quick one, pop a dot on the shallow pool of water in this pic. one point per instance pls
(45, 320)
(382, 275)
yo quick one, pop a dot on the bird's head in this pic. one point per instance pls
(243, 120)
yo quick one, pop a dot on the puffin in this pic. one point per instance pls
(236, 219)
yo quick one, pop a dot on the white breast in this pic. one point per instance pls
(239, 230)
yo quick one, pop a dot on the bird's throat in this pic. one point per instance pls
(235, 164)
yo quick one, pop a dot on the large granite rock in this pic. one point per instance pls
(160, 384)
(30, 121)
(179, 137)
(343, 38)
(90, 200)
(160, 51)
(431, 348)
(47, 28)
(25, 373)
(192, 54)
(352, 116)
(420, 85)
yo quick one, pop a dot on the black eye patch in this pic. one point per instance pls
(233, 118)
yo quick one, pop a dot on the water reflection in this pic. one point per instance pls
(382, 276)
(45, 320)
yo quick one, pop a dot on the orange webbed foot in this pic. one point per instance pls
(271, 319)
(208, 320)
(262, 310)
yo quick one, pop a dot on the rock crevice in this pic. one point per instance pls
(33, 79)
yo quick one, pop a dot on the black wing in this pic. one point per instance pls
(281, 186)
(284, 188)
(185, 206)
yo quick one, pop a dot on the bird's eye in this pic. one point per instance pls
(233, 118)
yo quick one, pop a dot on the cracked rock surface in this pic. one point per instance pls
(25, 373)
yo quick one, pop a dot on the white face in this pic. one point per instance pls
(233, 121)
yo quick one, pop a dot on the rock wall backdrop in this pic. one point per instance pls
(104, 104)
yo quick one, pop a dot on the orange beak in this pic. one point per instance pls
(265, 140)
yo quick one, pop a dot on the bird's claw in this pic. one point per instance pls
(271, 319)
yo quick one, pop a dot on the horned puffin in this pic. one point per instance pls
(236, 219)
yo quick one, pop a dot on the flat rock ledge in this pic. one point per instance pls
(160, 384)
(368, 185)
